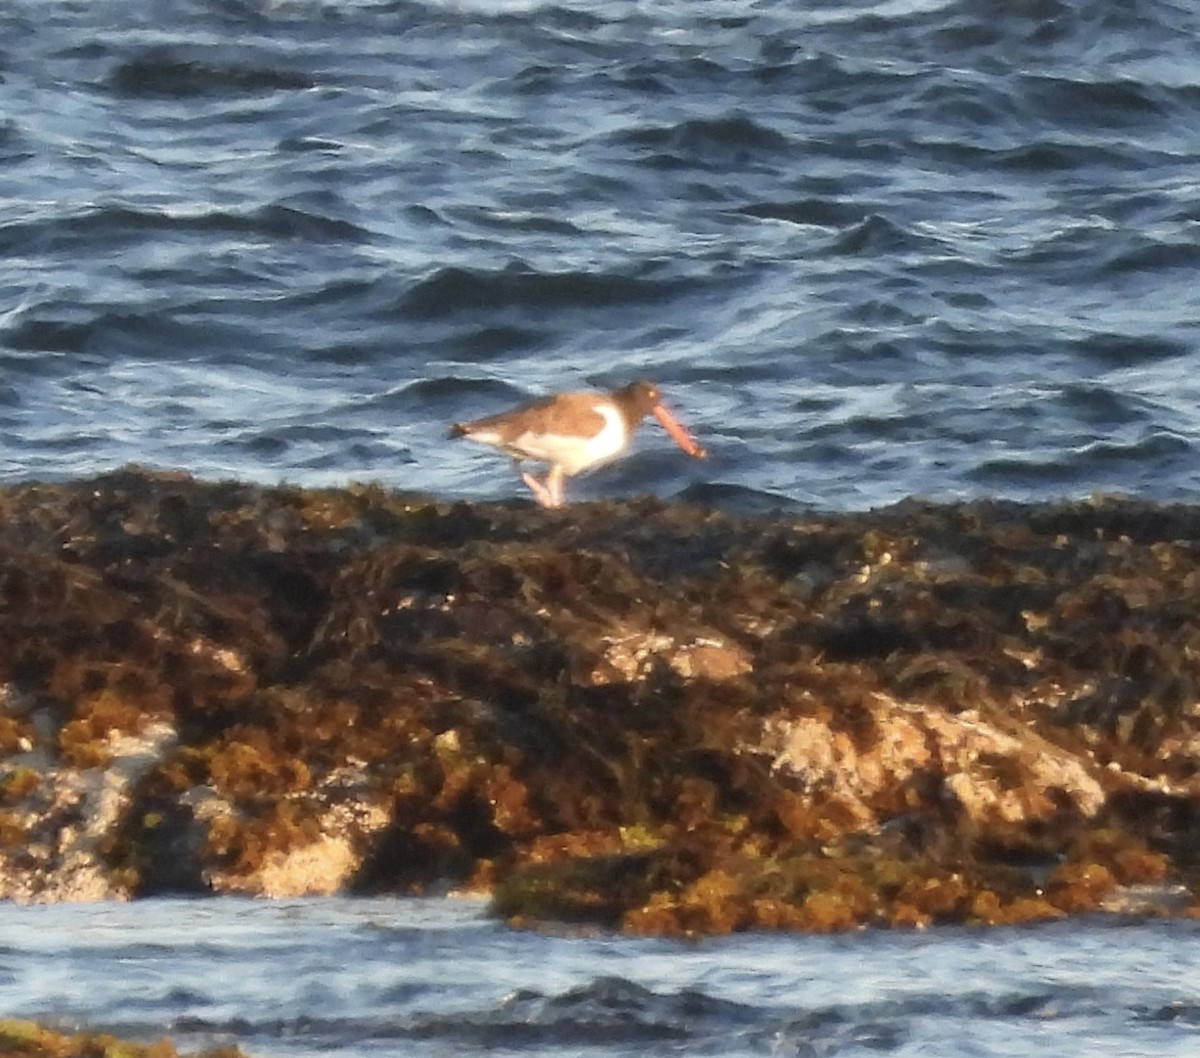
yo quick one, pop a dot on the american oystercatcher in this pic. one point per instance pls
(573, 432)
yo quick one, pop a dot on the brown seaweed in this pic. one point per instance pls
(650, 716)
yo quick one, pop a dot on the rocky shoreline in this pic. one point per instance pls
(37, 1041)
(643, 715)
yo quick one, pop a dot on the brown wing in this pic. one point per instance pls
(561, 414)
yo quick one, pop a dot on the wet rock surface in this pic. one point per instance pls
(644, 715)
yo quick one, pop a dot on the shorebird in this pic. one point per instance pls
(573, 432)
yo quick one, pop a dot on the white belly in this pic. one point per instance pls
(573, 454)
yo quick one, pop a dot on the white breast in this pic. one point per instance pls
(574, 453)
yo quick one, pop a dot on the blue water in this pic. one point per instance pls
(868, 249)
(354, 978)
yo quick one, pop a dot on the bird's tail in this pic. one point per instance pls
(459, 429)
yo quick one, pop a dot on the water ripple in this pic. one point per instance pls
(869, 250)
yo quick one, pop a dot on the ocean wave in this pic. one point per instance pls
(449, 291)
(107, 227)
(876, 234)
(105, 333)
(697, 139)
(1123, 466)
(780, 213)
(818, 212)
(162, 73)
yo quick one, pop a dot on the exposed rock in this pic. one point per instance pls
(629, 656)
(643, 714)
(65, 815)
(993, 776)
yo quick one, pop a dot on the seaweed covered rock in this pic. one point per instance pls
(647, 715)
(35, 1041)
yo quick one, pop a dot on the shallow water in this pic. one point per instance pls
(870, 249)
(437, 977)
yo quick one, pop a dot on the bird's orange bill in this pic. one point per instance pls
(678, 434)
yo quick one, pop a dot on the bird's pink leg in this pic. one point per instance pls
(554, 483)
(542, 493)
